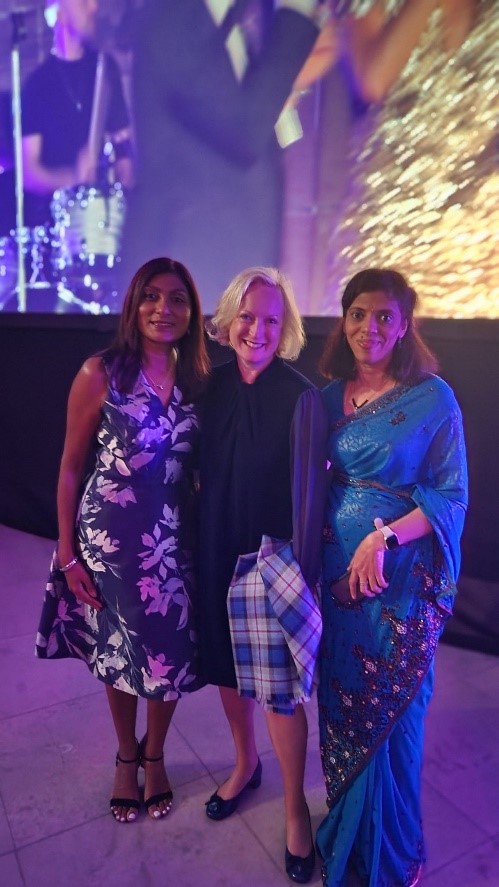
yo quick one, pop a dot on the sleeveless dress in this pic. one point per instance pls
(134, 533)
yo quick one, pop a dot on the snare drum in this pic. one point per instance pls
(88, 227)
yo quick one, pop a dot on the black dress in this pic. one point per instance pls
(245, 490)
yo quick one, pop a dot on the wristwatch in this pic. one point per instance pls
(390, 537)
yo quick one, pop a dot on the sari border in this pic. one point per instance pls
(336, 789)
(374, 406)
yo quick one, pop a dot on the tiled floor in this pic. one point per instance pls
(56, 761)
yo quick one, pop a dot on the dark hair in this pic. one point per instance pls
(124, 356)
(411, 358)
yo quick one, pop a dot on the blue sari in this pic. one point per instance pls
(404, 450)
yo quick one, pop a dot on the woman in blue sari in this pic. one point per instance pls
(395, 513)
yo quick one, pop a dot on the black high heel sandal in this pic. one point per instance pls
(156, 799)
(131, 803)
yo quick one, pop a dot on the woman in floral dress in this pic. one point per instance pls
(120, 590)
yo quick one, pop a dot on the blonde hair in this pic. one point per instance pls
(292, 334)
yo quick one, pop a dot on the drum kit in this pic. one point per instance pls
(70, 265)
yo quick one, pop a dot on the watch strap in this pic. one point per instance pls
(389, 535)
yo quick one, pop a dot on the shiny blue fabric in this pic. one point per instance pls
(404, 450)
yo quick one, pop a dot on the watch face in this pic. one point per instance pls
(392, 541)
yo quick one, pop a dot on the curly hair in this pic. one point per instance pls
(411, 360)
(292, 335)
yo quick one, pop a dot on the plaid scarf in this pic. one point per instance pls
(275, 626)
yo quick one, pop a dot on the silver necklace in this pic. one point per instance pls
(75, 99)
(160, 387)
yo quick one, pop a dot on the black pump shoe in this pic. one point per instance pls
(300, 868)
(217, 808)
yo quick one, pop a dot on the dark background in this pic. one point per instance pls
(41, 353)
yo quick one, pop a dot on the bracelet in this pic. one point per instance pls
(68, 566)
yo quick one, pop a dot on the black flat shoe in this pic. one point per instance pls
(217, 808)
(300, 868)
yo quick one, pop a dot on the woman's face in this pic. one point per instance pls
(165, 310)
(255, 332)
(373, 325)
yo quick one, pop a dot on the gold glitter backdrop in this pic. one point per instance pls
(423, 186)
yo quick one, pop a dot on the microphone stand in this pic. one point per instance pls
(18, 34)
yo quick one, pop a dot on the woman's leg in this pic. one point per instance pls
(159, 715)
(239, 713)
(289, 738)
(123, 707)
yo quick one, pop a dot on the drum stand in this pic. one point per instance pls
(18, 34)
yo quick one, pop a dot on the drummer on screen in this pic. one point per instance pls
(58, 106)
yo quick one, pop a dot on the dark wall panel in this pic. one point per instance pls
(40, 355)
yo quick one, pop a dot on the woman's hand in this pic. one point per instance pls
(366, 567)
(81, 585)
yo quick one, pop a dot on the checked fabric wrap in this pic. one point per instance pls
(275, 624)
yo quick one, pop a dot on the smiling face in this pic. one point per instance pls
(165, 311)
(373, 325)
(255, 332)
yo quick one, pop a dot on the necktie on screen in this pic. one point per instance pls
(244, 28)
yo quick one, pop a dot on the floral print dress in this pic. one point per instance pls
(134, 533)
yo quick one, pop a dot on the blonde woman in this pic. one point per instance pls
(246, 492)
